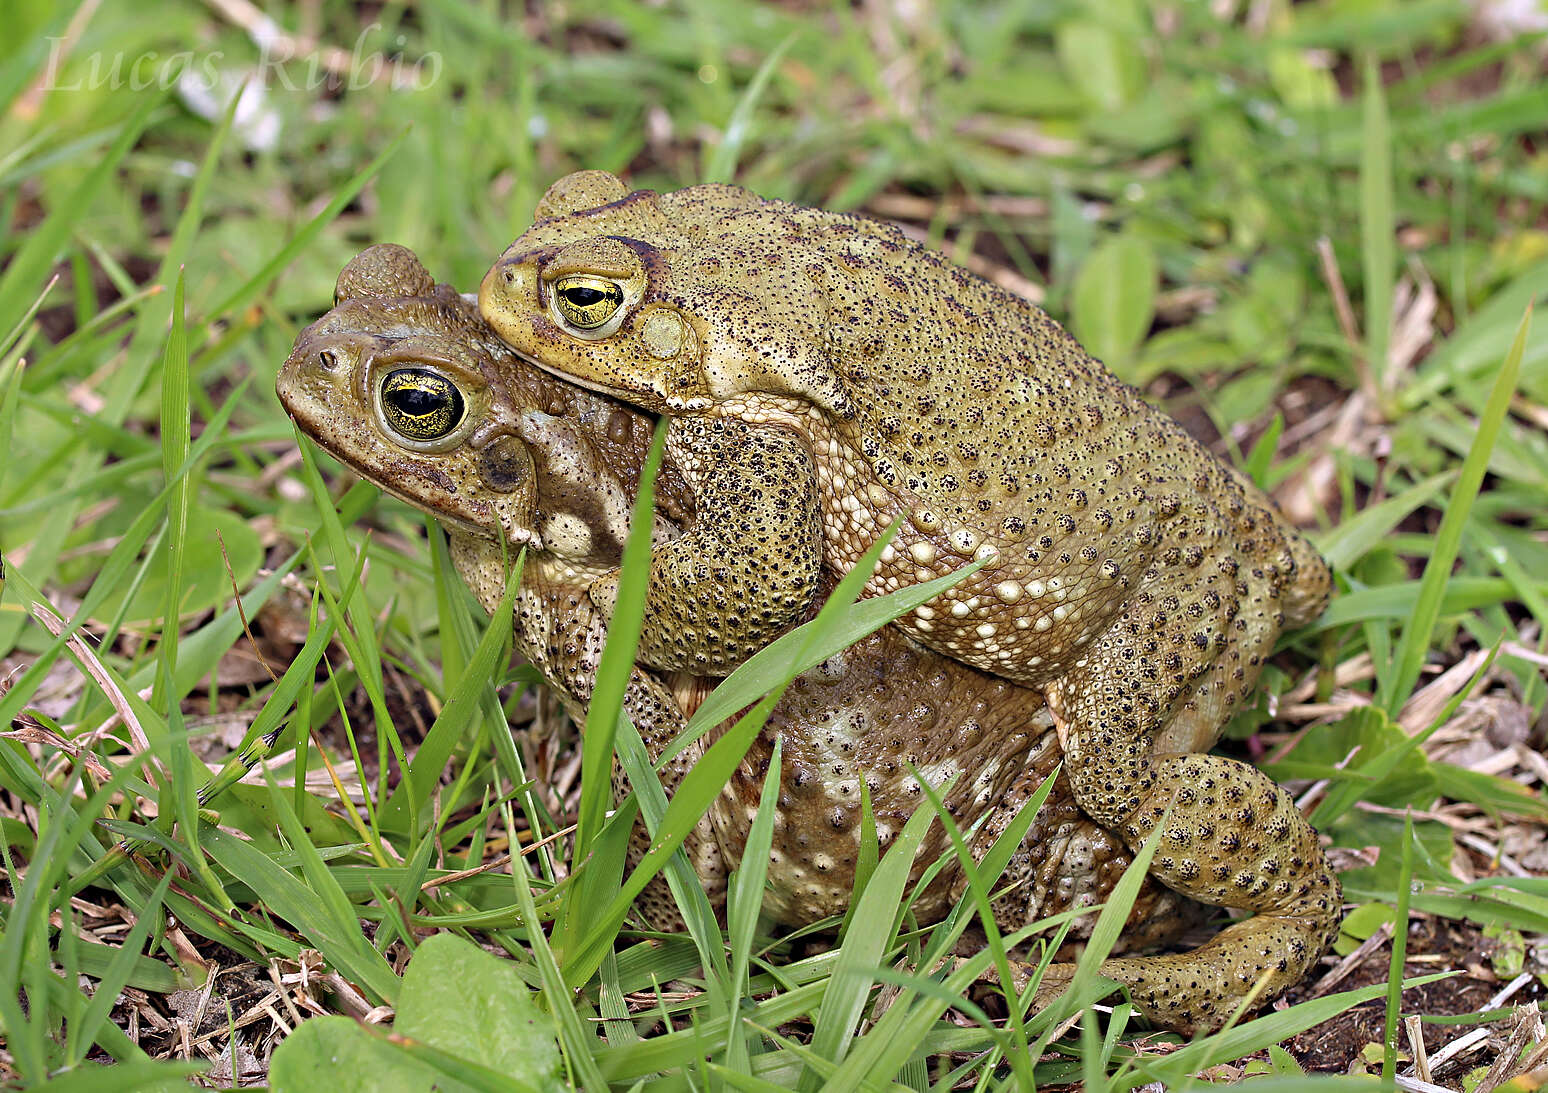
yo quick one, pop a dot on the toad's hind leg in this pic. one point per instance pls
(1231, 836)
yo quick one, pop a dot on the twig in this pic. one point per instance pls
(115, 696)
(1528, 1026)
(1342, 308)
(1413, 1025)
(1340, 971)
(1414, 1085)
(1472, 1039)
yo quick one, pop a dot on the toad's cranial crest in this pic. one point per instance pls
(839, 377)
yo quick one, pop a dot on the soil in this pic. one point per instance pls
(1434, 945)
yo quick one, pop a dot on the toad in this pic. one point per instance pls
(402, 382)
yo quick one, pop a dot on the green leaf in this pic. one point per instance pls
(457, 717)
(1348, 543)
(342, 1056)
(1300, 84)
(686, 887)
(1258, 461)
(1114, 299)
(1480, 341)
(317, 916)
(204, 582)
(1405, 890)
(1106, 64)
(470, 1003)
(1360, 828)
(606, 707)
(1368, 734)
(744, 899)
(1489, 791)
(1360, 924)
(251, 809)
(870, 931)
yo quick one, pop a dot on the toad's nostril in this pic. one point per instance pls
(510, 275)
(327, 360)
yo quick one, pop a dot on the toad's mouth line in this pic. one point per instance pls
(629, 398)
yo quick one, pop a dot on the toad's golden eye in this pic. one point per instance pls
(587, 302)
(421, 405)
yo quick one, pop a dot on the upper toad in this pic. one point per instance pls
(827, 376)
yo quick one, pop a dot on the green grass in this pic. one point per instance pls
(1162, 179)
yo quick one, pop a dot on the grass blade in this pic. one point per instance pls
(1415, 640)
(722, 161)
(1376, 232)
(607, 698)
(871, 930)
(745, 902)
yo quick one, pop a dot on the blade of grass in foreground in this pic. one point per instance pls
(686, 887)
(713, 770)
(316, 919)
(82, 1032)
(871, 930)
(260, 737)
(978, 893)
(607, 698)
(24, 977)
(1399, 953)
(575, 1038)
(1352, 539)
(358, 634)
(744, 902)
(176, 426)
(843, 620)
(1415, 640)
(462, 706)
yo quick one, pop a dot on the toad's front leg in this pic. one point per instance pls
(748, 568)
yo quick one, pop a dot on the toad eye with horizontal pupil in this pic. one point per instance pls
(587, 302)
(421, 405)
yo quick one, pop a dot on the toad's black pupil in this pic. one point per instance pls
(584, 297)
(416, 401)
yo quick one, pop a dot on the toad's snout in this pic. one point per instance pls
(512, 282)
(320, 372)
